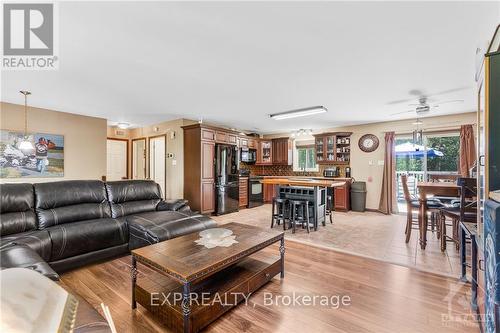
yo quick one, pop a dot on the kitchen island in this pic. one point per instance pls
(312, 190)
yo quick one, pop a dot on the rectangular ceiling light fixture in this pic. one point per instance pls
(299, 113)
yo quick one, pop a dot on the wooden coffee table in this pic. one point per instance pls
(197, 285)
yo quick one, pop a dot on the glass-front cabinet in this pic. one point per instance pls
(333, 148)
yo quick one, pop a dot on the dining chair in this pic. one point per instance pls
(464, 211)
(413, 206)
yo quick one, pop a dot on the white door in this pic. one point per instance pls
(116, 160)
(157, 162)
(139, 159)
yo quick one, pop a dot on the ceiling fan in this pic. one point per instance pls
(423, 107)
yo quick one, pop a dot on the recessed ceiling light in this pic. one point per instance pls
(299, 113)
(123, 125)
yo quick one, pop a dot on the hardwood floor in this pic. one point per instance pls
(384, 297)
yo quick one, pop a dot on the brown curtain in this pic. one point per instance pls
(467, 150)
(387, 203)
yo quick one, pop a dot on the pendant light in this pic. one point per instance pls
(25, 144)
(418, 134)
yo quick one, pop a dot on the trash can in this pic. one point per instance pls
(358, 196)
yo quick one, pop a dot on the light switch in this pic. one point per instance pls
(370, 162)
(381, 162)
(174, 162)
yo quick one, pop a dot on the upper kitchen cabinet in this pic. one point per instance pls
(264, 152)
(282, 151)
(333, 148)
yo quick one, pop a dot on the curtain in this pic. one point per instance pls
(387, 203)
(467, 150)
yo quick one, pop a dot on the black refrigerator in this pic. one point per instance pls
(226, 179)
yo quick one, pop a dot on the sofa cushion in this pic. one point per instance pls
(20, 255)
(70, 201)
(16, 208)
(153, 227)
(72, 239)
(133, 196)
(38, 240)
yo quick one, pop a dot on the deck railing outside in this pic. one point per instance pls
(413, 178)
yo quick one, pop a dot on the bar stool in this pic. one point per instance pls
(279, 212)
(329, 207)
(299, 212)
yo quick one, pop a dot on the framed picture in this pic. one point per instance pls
(46, 159)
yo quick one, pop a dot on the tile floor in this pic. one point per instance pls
(367, 234)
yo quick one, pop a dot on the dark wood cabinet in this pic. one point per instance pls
(342, 197)
(252, 143)
(199, 158)
(207, 197)
(269, 192)
(243, 187)
(264, 152)
(207, 160)
(333, 148)
(282, 151)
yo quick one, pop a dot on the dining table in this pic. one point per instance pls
(426, 190)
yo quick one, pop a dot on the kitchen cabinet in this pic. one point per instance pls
(207, 197)
(199, 155)
(342, 197)
(253, 143)
(270, 192)
(264, 153)
(243, 188)
(282, 151)
(333, 148)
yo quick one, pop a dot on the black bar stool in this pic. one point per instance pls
(299, 212)
(329, 207)
(280, 212)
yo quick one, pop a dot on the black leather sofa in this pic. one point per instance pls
(57, 226)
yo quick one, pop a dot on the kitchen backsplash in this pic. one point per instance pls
(284, 170)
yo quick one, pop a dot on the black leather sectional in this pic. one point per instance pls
(57, 226)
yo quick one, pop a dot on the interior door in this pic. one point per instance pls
(157, 165)
(116, 159)
(139, 159)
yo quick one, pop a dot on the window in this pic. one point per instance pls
(436, 160)
(304, 158)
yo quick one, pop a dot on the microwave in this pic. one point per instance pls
(248, 155)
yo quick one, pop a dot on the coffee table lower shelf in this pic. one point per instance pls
(210, 298)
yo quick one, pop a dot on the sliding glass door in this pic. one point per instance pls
(437, 159)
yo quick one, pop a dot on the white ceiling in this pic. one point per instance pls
(235, 63)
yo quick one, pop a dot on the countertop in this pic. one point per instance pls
(309, 183)
(342, 179)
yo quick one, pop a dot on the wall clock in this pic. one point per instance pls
(368, 143)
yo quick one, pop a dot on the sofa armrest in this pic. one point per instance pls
(172, 205)
(21, 255)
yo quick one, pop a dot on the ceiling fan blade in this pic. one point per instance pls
(401, 101)
(408, 111)
(451, 101)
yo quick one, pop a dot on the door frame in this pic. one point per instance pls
(132, 156)
(127, 156)
(149, 159)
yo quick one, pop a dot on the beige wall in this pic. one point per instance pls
(175, 145)
(360, 161)
(84, 139)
